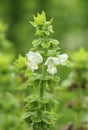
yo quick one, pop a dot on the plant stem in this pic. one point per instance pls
(78, 113)
(42, 83)
(77, 120)
(42, 90)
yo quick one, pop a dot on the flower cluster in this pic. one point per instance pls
(34, 58)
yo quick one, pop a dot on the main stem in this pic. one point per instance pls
(78, 113)
(78, 120)
(42, 83)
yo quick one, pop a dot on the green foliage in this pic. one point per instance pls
(9, 104)
(6, 57)
(80, 59)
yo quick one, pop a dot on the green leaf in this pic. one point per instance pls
(31, 98)
(55, 78)
(48, 117)
(27, 117)
(51, 52)
(24, 86)
(36, 42)
(20, 62)
(50, 28)
(47, 32)
(33, 24)
(49, 22)
(45, 45)
(35, 77)
(36, 117)
(54, 42)
(39, 32)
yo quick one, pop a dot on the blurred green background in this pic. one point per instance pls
(70, 21)
(71, 29)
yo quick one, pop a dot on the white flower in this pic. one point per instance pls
(33, 59)
(62, 59)
(51, 62)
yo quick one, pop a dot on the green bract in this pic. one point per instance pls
(42, 26)
(40, 19)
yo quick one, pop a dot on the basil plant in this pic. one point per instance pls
(39, 76)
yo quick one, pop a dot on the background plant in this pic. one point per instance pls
(9, 103)
(77, 83)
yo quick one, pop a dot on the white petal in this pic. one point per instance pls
(52, 60)
(52, 70)
(38, 58)
(32, 66)
(63, 59)
(34, 57)
(64, 56)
